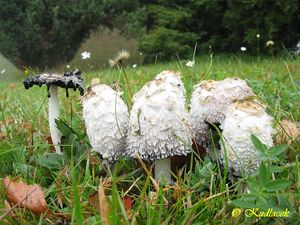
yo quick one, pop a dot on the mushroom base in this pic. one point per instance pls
(162, 171)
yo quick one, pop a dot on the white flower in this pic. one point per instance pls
(3, 71)
(258, 36)
(141, 53)
(134, 66)
(85, 55)
(269, 43)
(190, 63)
(243, 49)
(68, 66)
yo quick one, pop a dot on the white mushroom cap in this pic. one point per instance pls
(157, 124)
(202, 92)
(215, 96)
(244, 118)
(209, 103)
(287, 132)
(106, 119)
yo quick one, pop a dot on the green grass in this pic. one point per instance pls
(7, 70)
(200, 196)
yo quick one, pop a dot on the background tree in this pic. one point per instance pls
(277, 20)
(46, 33)
(223, 25)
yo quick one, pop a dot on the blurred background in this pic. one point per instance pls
(42, 35)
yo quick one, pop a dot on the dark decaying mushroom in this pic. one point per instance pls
(67, 80)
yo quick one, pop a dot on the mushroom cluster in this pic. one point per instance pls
(243, 118)
(209, 103)
(158, 126)
(67, 80)
(106, 120)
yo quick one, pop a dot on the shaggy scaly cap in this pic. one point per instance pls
(209, 102)
(157, 124)
(106, 119)
(244, 118)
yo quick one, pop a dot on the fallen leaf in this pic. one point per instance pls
(26, 126)
(94, 160)
(10, 121)
(127, 202)
(287, 132)
(94, 200)
(12, 86)
(102, 203)
(8, 209)
(50, 143)
(24, 195)
(2, 136)
(60, 198)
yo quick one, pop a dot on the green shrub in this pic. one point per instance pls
(221, 26)
(276, 20)
(45, 33)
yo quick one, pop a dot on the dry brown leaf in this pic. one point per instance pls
(12, 86)
(102, 203)
(50, 143)
(10, 121)
(24, 195)
(94, 160)
(127, 201)
(60, 198)
(26, 126)
(2, 136)
(287, 132)
(94, 200)
(8, 209)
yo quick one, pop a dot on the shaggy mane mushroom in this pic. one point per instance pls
(106, 119)
(67, 80)
(158, 123)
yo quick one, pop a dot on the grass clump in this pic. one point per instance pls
(201, 195)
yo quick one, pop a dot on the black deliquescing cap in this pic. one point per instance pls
(67, 80)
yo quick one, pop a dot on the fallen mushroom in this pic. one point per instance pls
(244, 118)
(53, 81)
(158, 123)
(209, 102)
(106, 118)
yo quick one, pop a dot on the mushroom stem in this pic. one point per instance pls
(53, 114)
(162, 171)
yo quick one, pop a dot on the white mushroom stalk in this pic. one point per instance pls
(53, 81)
(244, 118)
(106, 118)
(158, 126)
(53, 113)
(209, 103)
